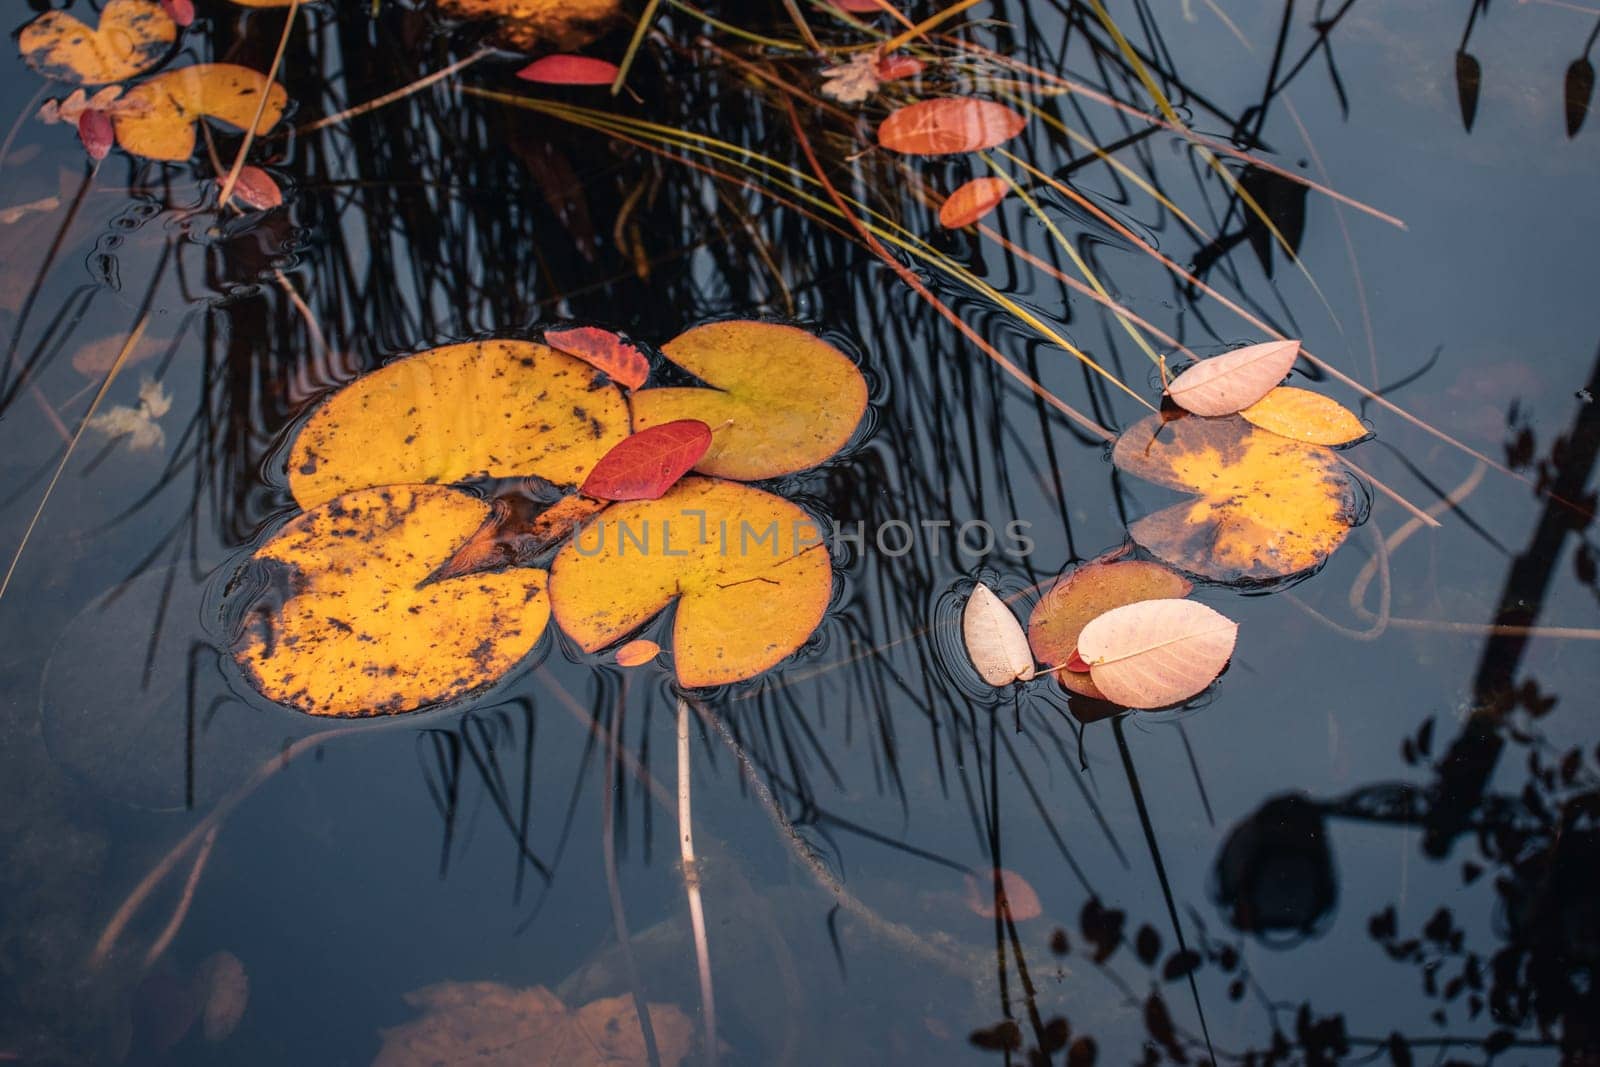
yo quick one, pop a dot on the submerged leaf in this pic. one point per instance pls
(647, 464)
(623, 362)
(569, 70)
(1084, 595)
(1157, 652)
(949, 125)
(224, 990)
(747, 569)
(851, 82)
(131, 37)
(782, 399)
(155, 119)
(1305, 416)
(496, 408)
(994, 639)
(637, 653)
(342, 623)
(1020, 901)
(1225, 384)
(972, 201)
(1267, 507)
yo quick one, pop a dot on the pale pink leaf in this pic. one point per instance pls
(1234, 380)
(995, 639)
(1156, 652)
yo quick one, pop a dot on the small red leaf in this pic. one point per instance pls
(625, 364)
(256, 189)
(859, 7)
(893, 68)
(179, 11)
(949, 125)
(569, 70)
(1077, 664)
(96, 133)
(645, 465)
(972, 202)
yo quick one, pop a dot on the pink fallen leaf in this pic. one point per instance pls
(1155, 653)
(1234, 380)
(569, 70)
(179, 11)
(96, 133)
(621, 361)
(1020, 901)
(995, 641)
(257, 189)
(643, 466)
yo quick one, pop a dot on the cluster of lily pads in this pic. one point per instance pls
(398, 589)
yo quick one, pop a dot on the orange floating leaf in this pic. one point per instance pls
(1156, 653)
(1225, 384)
(1305, 416)
(858, 7)
(949, 125)
(1267, 507)
(257, 189)
(569, 70)
(1015, 895)
(1083, 596)
(645, 465)
(972, 201)
(637, 653)
(994, 639)
(155, 119)
(609, 352)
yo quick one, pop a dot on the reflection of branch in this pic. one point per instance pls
(691, 886)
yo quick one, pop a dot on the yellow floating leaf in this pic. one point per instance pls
(1083, 596)
(1305, 416)
(746, 567)
(783, 400)
(340, 624)
(1268, 507)
(131, 37)
(565, 25)
(156, 118)
(495, 408)
(637, 653)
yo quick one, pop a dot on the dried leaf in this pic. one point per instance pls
(257, 189)
(137, 424)
(949, 125)
(972, 201)
(1157, 652)
(1225, 384)
(1578, 92)
(131, 37)
(994, 639)
(1020, 901)
(485, 1024)
(782, 399)
(623, 362)
(569, 70)
(1268, 507)
(1469, 81)
(96, 133)
(747, 569)
(495, 408)
(645, 465)
(1084, 595)
(517, 532)
(338, 620)
(852, 81)
(637, 653)
(1305, 416)
(156, 118)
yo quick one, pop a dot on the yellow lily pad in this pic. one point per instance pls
(748, 572)
(781, 399)
(1268, 507)
(156, 118)
(1305, 416)
(131, 37)
(339, 623)
(496, 408)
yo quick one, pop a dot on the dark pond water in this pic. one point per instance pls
(1367, 843)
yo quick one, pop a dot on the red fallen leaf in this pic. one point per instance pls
(1077, 664)
(1015, 893)
(858, 7)
(96, 133)
(645, 465)
(972, 202)
(893, 68)
(256, 189)
(949, 125)
(625, 364)
(569, 70)
(179, 11)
